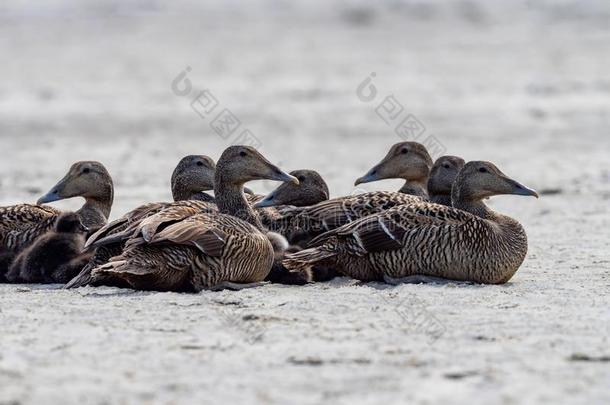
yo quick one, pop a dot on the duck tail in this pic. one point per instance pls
(115, 274)
(307, 258)
(81, 279)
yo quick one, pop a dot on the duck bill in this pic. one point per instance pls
(55, 194)
(246, 190)
(277, 174)
(268, 201)
(519, 189)
(372, 175)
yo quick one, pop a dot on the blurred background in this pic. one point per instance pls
(525, 84)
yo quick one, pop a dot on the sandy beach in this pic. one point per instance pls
(525, 85)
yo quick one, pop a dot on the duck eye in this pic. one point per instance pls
(483, 170)
(242, 153)
(301, 178)
(86, 170)
(446, 165)
(404, 151)
(200, 163)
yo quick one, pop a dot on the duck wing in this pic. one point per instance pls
(21, 224)
(189, 253)
(392, 229)
(308, 222)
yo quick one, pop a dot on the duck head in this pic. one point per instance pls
(443, 174)
(405, 160)
(479, 180)
(86, 179)
(311, 190)
(193, 174)
(239, 164)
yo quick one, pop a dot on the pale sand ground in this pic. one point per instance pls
(528, 89)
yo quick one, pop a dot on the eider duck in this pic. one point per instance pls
(44, 260)
(308, 222)
(405, 160)
(193, 175)
(183, 248)
(91, 181)
(110, 240)
(467, 243)
(21, 224)
(442, 176)
(311, 190)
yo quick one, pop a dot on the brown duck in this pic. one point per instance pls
(21, 224)
(189, 248)
(193, 175)
(468, 243)
(442, 176)
(405, 160)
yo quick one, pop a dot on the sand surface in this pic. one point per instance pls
(527, 87)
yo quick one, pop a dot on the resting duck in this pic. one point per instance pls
(45, 260)
(91, 181)
(405, 160)
(21, 224)
(418, 241)
(311, 190)
(193, 175)
(189, 248)
(305, 223)
(110, 240)
(442, 176)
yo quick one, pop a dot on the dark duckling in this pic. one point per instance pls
(45, 260)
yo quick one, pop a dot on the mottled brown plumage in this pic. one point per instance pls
(467, 243)
(193, 175)
(21, 225)
(311, 189)
(405, 160)
(46, 260)
(304, 223)
(442, 176)
(179, 249)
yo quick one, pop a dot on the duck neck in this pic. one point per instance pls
(231, 200)
(462, 200)
(96, 210)
(441, 198)
(415, 187)
(181, 190)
